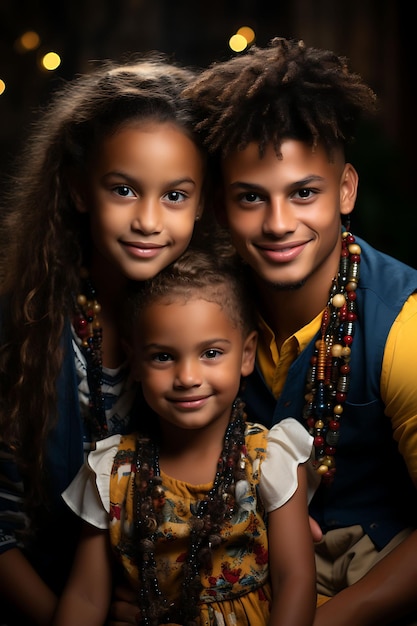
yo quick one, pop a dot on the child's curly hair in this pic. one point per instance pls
(286, 90)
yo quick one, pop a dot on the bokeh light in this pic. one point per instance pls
(248, 33)
(238, 43)
(2, 86)
(50, 61)
(30, 40)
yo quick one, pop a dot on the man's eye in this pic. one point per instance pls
(304, 194)
(162, 357)
(250, 196)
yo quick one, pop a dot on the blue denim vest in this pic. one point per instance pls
(372, 486)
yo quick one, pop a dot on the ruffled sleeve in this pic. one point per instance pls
(88, 495)
(289, 444)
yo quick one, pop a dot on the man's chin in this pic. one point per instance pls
(285, 286)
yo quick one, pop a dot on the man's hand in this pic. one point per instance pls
(316, 532)
(124, 609)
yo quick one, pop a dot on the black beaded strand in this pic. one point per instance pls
(205, 525)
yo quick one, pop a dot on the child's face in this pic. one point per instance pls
(143, 193)
(284, 214)
(189, 358)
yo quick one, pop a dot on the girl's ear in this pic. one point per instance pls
(79, 196)
(348, 189)
(249, 353)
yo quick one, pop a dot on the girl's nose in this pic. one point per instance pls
(148, 216)
(188, 374)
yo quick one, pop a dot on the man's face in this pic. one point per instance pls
(284, 214)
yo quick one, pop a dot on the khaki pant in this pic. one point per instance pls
(344, 555)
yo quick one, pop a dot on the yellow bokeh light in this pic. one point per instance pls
(238, 43)
(248, 33)
(28, 41)
(2, 86)
(50, 61)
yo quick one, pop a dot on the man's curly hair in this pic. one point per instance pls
(286, 90)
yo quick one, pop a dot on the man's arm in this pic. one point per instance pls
(385, 594)
(388, 591)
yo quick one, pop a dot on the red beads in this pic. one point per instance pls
(329, 375)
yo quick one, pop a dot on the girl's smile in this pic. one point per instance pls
(143, 195)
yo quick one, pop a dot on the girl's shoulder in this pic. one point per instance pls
(256, 439)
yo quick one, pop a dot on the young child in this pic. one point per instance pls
(338, 336)
(183, 499)
(109, 191)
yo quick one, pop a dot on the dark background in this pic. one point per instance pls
(378, 36)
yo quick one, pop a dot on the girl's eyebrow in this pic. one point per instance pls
(170, 183)
(200, 346)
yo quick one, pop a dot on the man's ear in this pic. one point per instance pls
(348, 189)
(249, 353)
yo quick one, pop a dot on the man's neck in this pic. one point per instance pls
(288, 310)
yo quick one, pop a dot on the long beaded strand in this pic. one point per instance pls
(87, 325)
(329, 374)
(205, 524)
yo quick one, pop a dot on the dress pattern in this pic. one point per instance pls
(236, 589)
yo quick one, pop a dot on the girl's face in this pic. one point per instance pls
(143, 193)
(189, 357)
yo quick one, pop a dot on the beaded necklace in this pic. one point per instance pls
(329, 374)
(205, 525)
(86, 323)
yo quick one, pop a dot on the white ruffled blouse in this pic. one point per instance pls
(288, 445)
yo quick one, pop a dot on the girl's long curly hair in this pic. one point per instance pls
(45, 240)
(286, 90)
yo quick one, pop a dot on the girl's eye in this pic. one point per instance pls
(175, 196)
(124, 191)
(212, 353)
(161, 357)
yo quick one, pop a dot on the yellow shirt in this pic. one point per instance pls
(398, 376)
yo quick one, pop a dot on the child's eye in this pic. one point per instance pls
(212, 353)
(124, 191)
(175, 196)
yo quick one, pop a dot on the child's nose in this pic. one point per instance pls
(188, 373)
(148, 216)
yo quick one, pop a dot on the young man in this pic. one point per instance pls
(338, 319)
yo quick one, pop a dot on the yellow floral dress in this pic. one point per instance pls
(236, 590)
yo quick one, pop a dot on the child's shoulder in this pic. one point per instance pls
(256, 436)
(253, 428)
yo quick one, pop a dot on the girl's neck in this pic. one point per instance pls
(110, 288)
(109, 283)
(191, 455)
